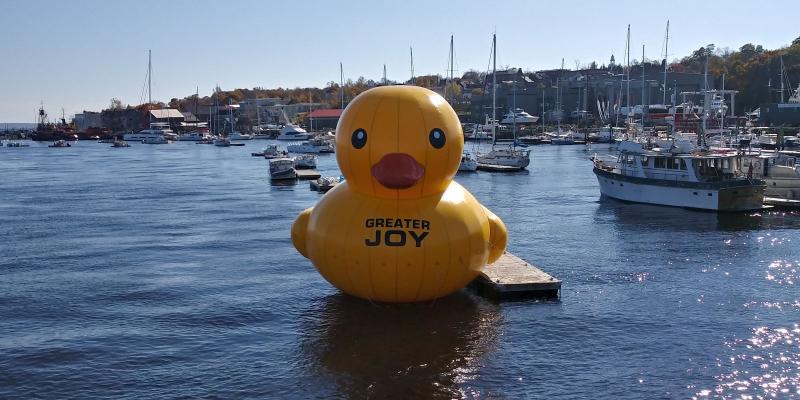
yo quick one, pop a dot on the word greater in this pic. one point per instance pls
(404, 228)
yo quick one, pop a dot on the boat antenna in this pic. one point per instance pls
(411, 51)
(666, 63)
(494, 87)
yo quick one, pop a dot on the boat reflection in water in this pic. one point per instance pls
(426, 350)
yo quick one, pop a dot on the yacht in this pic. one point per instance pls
(671, 177)
(519, 116)
(468, 163)
(147, 134)
(305, 161)
(282, 168)
(293, 132)
(156, 140)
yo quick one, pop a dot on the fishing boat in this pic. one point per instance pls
(502, 158)
(282, 169)
(305, 161)
(670, 177)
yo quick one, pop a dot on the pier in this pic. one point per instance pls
(511, 277)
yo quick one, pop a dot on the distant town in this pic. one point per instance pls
(754, 84)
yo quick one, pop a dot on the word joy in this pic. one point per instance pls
(396, 237)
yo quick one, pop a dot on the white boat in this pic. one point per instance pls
(304, 147)
(518, 116)
(239, 136)
(324, 183)
(60, 143)
(693, 180)
(780, 171)
(119, 143)
(603, 135)
(16, 144)
(502, 158)
(195, 136)
(468, 163)
(146, 134)
(305, 161)
(282, 168)
(293, 132)
(272, 151)
(156, 140)
(222, 142)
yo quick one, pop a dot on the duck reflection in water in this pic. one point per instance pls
(422, 350)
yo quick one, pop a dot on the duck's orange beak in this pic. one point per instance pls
(398, 171)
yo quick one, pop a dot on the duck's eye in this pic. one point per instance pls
(437, 138)
(359, 138)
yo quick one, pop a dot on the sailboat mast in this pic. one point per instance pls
(149, 74)
(643, 102)
(384, 74)
(628, 75)
(705, 97)
(341, 82)
(666, 55)
(494, 87)
(411, 52)
(782, 79)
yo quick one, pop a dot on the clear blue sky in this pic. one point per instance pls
(79, 54)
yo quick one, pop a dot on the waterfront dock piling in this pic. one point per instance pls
(511, 277)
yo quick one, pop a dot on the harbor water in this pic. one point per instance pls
(168, 272)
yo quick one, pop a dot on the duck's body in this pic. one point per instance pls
(399, 250)
(399, 229)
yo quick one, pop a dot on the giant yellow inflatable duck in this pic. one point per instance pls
(399, 229)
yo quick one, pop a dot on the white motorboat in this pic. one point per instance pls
(146, 134)
(195, 136)
(324, 184)
(239, 136)
(780, 171)
(282, 168)
(60, 143)
(304, 147)
(701, 180)
(468, 163)
(305, 161)
(272, 151)
(518, 116)
(222, 142)
(293, 132)
(156, 140)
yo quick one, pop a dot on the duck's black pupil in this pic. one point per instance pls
(359, 138)
(437, 138)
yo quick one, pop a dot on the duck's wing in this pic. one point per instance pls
(300, 231)
(498, 236)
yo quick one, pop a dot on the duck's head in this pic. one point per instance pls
(399, 142)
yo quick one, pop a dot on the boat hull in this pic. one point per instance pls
(684, 194)
(283, 175)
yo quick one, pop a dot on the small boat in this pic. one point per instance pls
(120, 143)
(282, 169)
(60, 143)
(239, 136)
(468, 163)
(323, 184)
(272, 151)
(17, 144)
(304, 147)
(195, 136)
(519, 116)
(156, 140)
(305, 161)
(222, 142)
(293, 132)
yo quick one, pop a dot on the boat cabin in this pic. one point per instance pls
(680, 167)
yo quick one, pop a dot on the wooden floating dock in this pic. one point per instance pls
(305, 174)
(512, 278)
